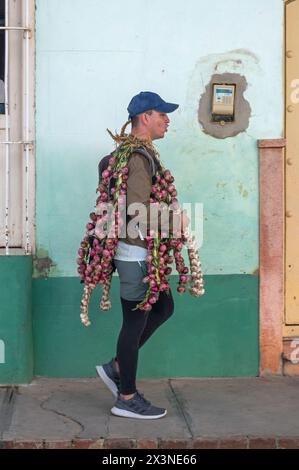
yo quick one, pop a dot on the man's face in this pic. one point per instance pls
(157, 124)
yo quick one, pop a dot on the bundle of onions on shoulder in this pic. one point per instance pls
(159, 259)
(95, 261)
(163, 251)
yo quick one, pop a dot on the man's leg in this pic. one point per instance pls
(134, 322)
(130, 403)
(138, 325)
(137, 328)
(132, 291)
(160, 312)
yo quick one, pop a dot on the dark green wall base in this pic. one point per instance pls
(216, 335)
(16, 319)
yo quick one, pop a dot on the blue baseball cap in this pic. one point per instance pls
(147, 100)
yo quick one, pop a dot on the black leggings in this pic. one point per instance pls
(136, 329)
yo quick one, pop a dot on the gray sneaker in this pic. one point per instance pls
(110, 376)
(137, 407)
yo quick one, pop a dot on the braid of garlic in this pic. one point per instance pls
(84, 305)
(105, 303)
(197, 282)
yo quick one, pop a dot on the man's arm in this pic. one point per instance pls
(139, 186)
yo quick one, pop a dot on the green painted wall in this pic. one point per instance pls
(16, 319)
(216, 336)
(84, 83)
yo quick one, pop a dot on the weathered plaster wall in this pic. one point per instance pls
(93, 56)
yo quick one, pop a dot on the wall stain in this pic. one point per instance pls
(233, 63)
(243, 191)
(43, 265)
(246, 52)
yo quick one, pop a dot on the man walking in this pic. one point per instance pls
(148, 114)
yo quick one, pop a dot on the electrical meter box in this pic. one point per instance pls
(223, 103)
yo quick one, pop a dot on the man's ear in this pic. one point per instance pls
(144, 118)
(147, 117)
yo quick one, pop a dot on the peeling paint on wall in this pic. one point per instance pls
(242, 191)
(43, 265)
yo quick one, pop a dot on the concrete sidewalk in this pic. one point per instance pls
(202, 413)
